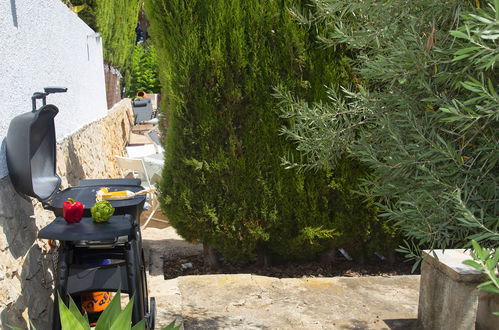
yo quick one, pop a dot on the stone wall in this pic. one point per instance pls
(89, 153)
(26, 263)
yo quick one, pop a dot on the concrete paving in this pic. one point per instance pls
(245, 301)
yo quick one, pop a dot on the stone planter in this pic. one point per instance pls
(448, 298)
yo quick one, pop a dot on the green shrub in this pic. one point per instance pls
(88, 13)
(143, 74)
(116, 22)
(485, 261)
(223, 182)
(422, 114)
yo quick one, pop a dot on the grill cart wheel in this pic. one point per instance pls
(151, 316)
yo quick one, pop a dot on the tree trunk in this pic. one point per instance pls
(390, 256)
(210, 256)
(328, 257)
(263, 258)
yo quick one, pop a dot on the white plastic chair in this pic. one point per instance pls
(154, 137)
(136, 166)
(141, 151)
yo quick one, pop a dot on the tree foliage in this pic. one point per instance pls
(143, 75)
(116, 22)
(87, 13)
(486, 262)
(222, 182)
(421, 113)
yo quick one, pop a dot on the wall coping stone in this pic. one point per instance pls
(450, 262)
(448, 294)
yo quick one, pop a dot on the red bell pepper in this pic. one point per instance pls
(72, 211)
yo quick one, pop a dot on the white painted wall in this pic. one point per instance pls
(46, 44)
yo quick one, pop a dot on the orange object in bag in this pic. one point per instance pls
(93, 302)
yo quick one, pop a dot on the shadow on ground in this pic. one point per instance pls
(216, 322)
(156, 251)
(402, 324)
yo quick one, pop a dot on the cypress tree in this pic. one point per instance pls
(143, 73)
(223, 182)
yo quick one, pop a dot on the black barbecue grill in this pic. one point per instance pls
(31, 159)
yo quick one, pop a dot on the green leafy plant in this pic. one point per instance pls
(144, 70)
(172, 326)
(486, 261)
(116, 21)
(112, 318)
(421, 114)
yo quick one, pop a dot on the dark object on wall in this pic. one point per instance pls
(113, 81)
(31, 159)
(14, 12)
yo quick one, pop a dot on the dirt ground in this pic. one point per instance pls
(194, 265)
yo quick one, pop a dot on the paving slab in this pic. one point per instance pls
(246, 301)
(138, 139)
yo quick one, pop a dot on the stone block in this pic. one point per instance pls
(448, 297)
(488, 303)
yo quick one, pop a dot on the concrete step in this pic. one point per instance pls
(245, 301)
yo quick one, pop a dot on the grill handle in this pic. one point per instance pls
(43, 96)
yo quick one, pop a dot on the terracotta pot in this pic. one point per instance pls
(142, 94)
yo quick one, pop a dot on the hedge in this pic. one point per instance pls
(223, 181)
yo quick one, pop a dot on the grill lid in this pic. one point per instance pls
(31, 158)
